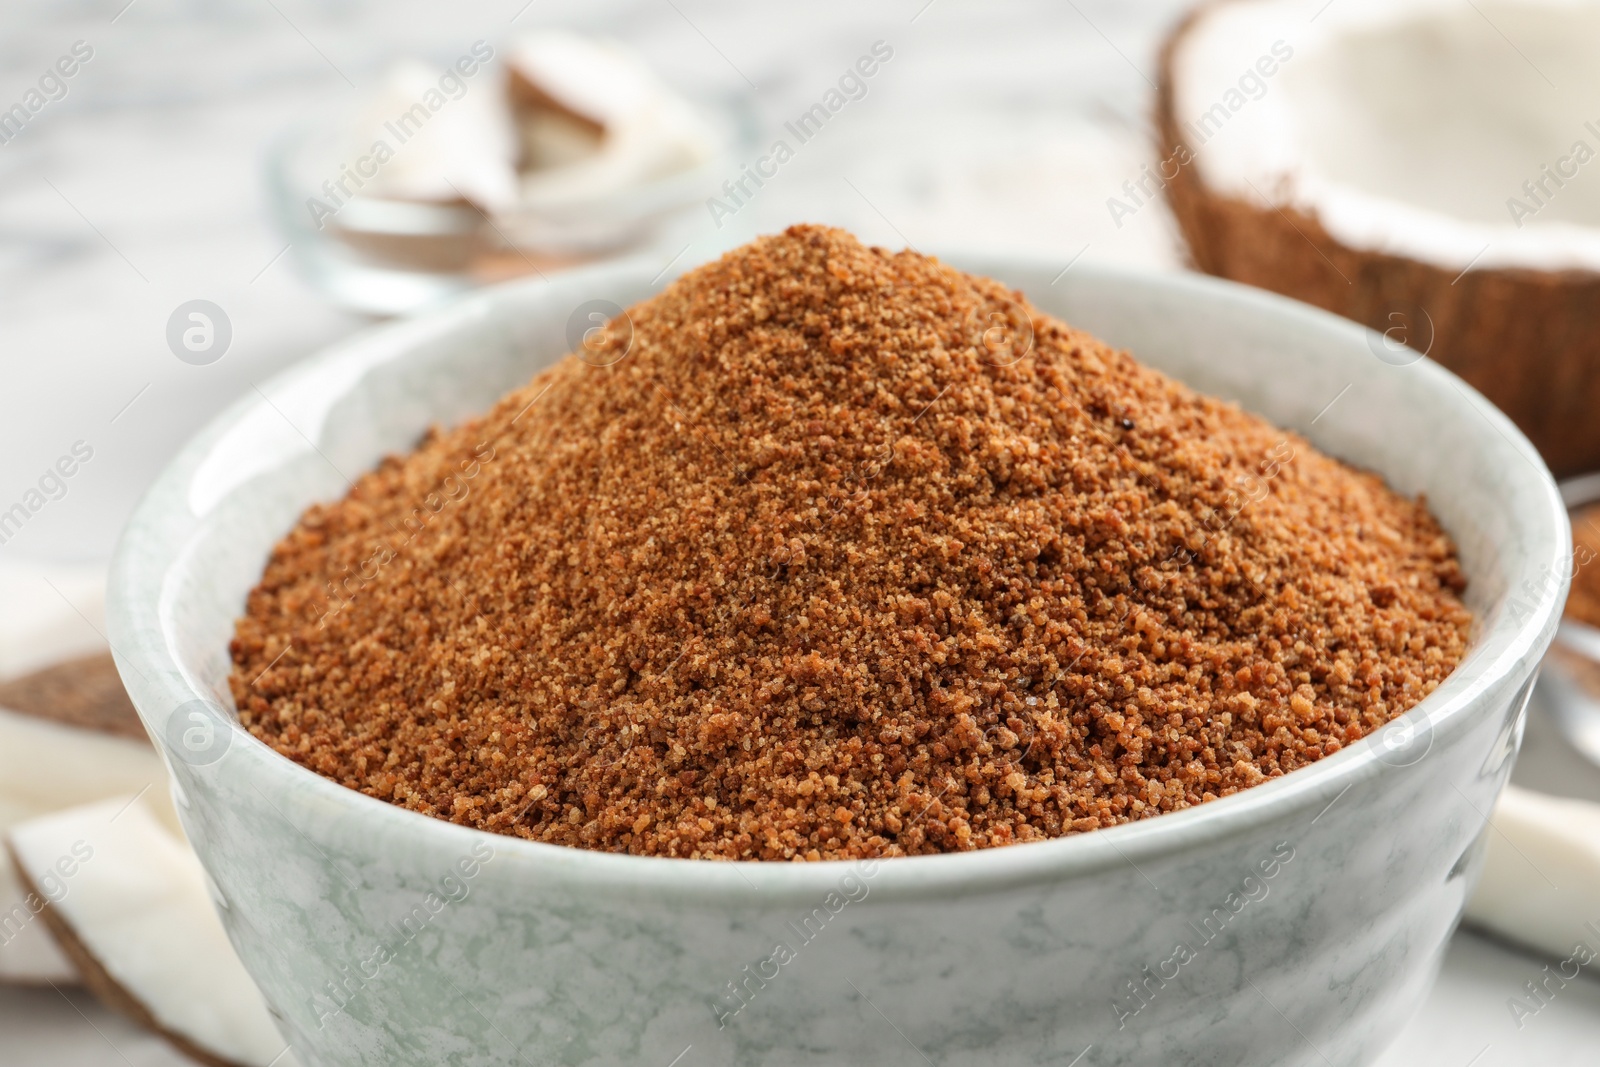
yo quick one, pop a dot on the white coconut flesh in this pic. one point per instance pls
(1450, 132)
(649, 131)
(28, 954)
(467, 150)
(45, 766)
(1541, 877)
(53, 612)
(133, 898)
(471, 147)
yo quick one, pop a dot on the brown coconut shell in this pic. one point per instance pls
(100, 982)
(85, 692)
(1528, 340)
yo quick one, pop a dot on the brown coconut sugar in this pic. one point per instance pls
(842, 553)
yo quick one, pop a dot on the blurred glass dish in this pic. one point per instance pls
(1570, 683)
(563, 152)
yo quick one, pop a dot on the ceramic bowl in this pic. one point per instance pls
(1299, 922)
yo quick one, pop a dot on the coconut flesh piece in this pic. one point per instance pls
(52, 612)
(574, 120)
(1541, 876)
(465, 149)
(46, 766)
(640, 128)
(131, 906)
(1406, 126)
(28, 954)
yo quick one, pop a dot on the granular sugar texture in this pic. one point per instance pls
(851, 554)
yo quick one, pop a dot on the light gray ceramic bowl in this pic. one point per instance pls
(1300, 922)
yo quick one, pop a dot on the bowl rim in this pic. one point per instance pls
(157, 540)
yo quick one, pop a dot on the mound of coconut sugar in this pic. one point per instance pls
(845, 553)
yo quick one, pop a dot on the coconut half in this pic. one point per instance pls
(68, 736)
(1429, 168)
(130, 905)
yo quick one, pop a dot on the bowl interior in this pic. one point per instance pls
(199, 541)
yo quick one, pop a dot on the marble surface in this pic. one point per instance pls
(1003, 126)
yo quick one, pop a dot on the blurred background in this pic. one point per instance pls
(145, 186)
(154, 181)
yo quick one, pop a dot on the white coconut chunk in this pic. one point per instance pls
(1541, 877)
(129, 902)
(603, 81)
(442, 141)
(51, 612)
(28, 954)
(45, 766)
(1452, 133)
(648, 130)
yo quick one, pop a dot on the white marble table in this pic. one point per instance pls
(997, 126)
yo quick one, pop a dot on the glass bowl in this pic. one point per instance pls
(387, 256)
